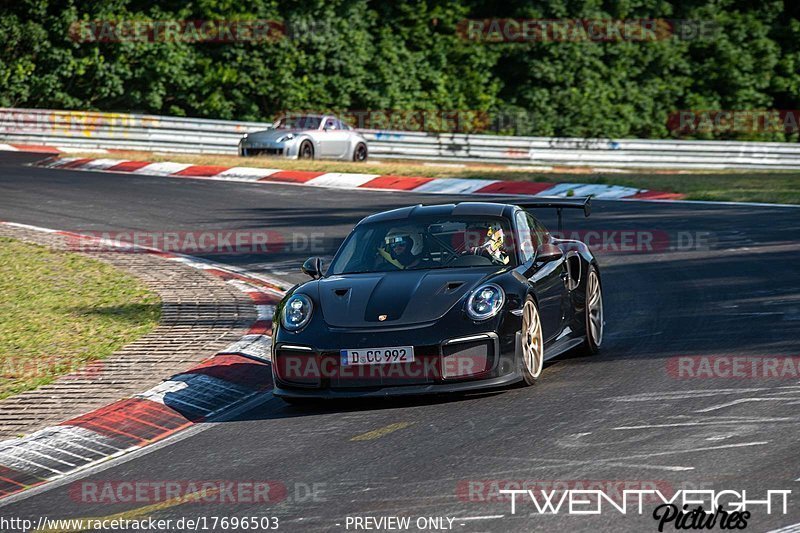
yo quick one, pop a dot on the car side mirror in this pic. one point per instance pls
(312, 267)
(548, 252)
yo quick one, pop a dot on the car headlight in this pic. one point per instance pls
(296, 312)
(485, 302)
(287, 137)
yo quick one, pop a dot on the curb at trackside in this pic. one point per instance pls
(340, 180)
(229, 379)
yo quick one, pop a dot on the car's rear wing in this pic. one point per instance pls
(559, 204)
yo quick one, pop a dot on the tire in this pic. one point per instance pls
(593, 313)
(306, 150)
(532, 343)
(360, 153)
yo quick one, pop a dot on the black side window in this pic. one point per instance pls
(540, 233)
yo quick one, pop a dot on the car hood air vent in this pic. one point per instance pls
(452, 285)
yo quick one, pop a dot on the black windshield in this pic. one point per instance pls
(426, 243)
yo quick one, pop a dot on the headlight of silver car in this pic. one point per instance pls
(296, 312)
(287, 137)
(485, 302)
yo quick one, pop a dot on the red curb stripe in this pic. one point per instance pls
(222, 274)
(106, 428)
(515, 187)
(155, 425)
(263, 298)
(657, 195)
(36, 148)
(7, 476)
(386, 182)
(292, 176)
(201, 171)
(128, 166)
(115, 421)
(6, 482)
(397, 183)
(227, 276)
(261, 327)
(236, 369)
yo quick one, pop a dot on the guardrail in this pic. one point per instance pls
(89, 130)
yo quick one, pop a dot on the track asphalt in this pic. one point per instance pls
(718, 281)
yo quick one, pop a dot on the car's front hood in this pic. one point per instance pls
(269, 136)
(403, 297)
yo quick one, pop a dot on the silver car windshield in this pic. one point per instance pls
(426, 243)
(302, 122)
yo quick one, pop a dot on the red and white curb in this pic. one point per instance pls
(230, 378)
(340, 180)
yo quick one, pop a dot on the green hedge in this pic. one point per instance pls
(390, 55)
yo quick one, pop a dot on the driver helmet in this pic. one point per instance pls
(495, 239)
(401, 241)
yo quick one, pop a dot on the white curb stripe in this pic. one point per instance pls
(198, 391)
(75, 436)
(340, 180)
(245, 173)
(453, 186)
(61, 161)
(256, 346)
(18, 458)
(598, 190)
(34, 228)
(243, 286)
(265, 312)
(157, 393)
(161, 169)
(8, 148)
(100, 164)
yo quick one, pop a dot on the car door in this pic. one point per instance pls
(548, 279)
(334, 139)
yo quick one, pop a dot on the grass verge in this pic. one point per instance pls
(736, 186)
(61, 311)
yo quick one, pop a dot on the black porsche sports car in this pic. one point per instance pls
(438, 298)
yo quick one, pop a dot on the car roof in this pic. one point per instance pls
(459, 209)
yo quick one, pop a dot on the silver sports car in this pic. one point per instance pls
(306, 137)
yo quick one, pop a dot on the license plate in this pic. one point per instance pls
(378, 356)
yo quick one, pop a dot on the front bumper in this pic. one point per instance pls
(408, 390)
(470, 360)
(249, 148)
